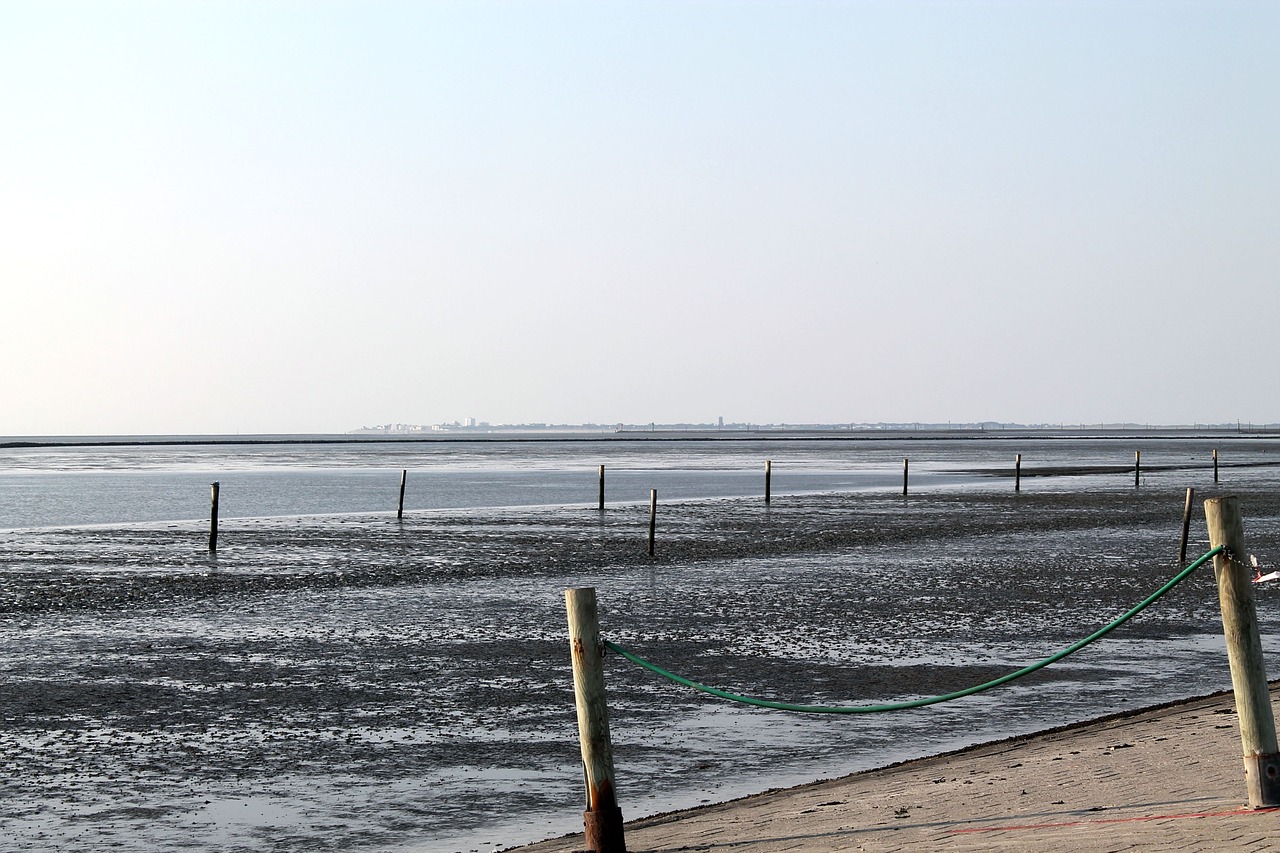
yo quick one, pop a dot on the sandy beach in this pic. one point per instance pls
(1167, 778)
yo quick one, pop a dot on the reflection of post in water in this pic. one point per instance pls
(213, 519)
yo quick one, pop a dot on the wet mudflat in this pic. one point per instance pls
(349, 682)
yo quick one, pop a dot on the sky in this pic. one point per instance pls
(283, 217)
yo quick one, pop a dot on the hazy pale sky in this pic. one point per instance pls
(309, 216)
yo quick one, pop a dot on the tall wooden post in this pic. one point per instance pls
(1215, 465)
(1017, 473)
(1186, 525)
(906, 464)
(1137, 468)
(1244, 653)
(404, 477)
(768, 475)
(602, 819)
(213, 519)
(602, 488)
(653, 517)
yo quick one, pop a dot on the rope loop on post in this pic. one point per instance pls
(930, 700)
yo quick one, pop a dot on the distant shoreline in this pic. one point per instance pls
(667, 435)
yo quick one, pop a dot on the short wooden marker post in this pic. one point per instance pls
(404, 477)
(653, 517)
(602, 488)
(1186, 526)
(602, 819)
(1244, 653)
(906, 465)
(213, 519)
(1137, 468)
(1215, 465)
(768, 475)
(1017, 473)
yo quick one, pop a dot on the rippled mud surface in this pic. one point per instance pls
(351, 682)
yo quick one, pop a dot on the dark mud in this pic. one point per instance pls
(354, 683)
(162, 565)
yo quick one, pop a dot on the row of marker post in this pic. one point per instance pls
(768, 496)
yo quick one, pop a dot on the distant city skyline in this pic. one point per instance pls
(281, 217)
(472, 425)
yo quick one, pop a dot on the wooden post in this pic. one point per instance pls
(602, 819)
(1017, 473)
(1137, 468)
(1215, 465)
(653, 517)
(404, 477)
(768, 475)
(213, 519)
(1244, 653)
(1186, 526)
(906, 464)
(602, 488)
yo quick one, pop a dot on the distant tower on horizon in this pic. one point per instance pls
(720, 423)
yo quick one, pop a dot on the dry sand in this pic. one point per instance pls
(1168, 778)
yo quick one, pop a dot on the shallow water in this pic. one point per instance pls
(349, 682)
(62, 485)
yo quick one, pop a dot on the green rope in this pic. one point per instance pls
(932, 700)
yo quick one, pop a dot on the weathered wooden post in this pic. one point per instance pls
(1137, 468)
(404, 477)
(1017, 473)
(653, 517)
(1244, 653)
(1186, 526)
(906, 464)
(768, 475)
(1215, 465)
(213, 519)
(602, 819)
(602, 488)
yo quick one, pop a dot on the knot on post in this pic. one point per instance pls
(1262, 777)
